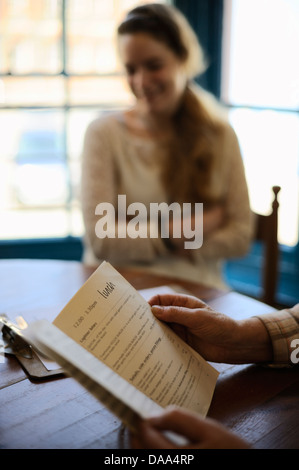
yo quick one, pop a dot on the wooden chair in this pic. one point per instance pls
(266, 232)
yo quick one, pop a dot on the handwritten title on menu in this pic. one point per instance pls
(107, 290)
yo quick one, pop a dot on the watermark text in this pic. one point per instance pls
(295, 352)
(135, 221)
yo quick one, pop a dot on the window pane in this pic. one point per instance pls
(16, 224)
(40, 155)
(34, 171)
(30, 36)
(271, 158)
(263, 54)
(91, 36)
(35, 91)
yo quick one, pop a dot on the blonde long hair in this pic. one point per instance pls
(192, 156)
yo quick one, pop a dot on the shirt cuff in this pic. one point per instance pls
(282, 328)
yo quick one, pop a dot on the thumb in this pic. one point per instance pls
(172, 314)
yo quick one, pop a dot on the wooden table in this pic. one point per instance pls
(258, 403)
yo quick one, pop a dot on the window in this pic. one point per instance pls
(58, 70)
(260, 85)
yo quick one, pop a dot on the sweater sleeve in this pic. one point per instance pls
(99, 184)
(233, 238)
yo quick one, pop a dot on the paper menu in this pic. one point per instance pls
(120, 397)
(112, 321)
(108, 340)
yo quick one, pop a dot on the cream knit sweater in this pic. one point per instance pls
(115, 162)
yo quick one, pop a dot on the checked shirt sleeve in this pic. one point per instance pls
(283, 328)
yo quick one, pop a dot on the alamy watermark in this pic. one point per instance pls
(2, 351)
(134, 221)
(295, 352)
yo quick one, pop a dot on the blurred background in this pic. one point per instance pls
(59, 70)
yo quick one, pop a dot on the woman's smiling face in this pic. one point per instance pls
(155, 74)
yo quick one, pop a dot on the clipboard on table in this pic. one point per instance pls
(36, 366)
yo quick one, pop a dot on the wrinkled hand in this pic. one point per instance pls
(215, 336)
(202, 433)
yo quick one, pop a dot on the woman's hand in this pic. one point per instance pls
(201, 433)
(217, 337)
(212, 220)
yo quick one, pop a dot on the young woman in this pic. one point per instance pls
(174, 145)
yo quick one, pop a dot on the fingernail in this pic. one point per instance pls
(156, 309)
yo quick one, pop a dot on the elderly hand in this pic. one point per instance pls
(215, 336)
